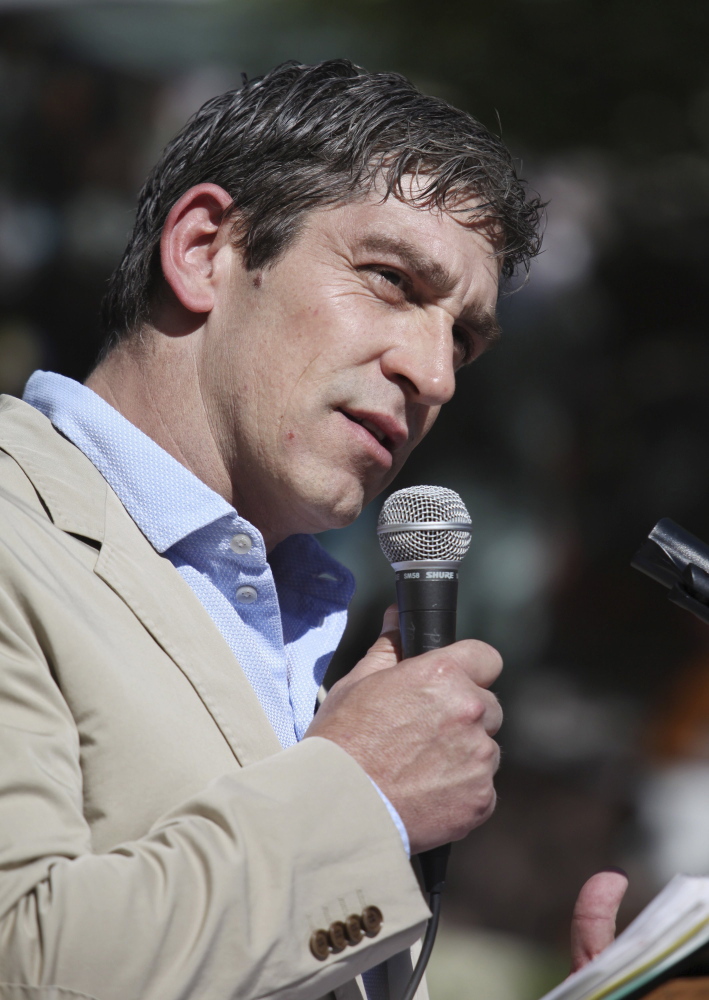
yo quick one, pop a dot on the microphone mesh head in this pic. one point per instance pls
(416, 507)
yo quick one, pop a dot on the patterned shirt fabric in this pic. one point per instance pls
(282, 616)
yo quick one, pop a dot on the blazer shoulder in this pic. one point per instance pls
(68, 486)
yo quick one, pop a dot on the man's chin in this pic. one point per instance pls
(338, 509)
(334, 503)
(340, 516)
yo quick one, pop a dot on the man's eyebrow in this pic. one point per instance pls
(484, 323)
(433, 273)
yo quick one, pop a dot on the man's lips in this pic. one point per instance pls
(387, 430)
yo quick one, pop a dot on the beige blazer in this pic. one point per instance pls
(155, 841)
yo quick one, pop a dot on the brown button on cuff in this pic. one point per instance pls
(320, 945)
(337, 936)
(372, 920)
(353, 929)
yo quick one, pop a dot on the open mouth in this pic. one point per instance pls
(375, 431)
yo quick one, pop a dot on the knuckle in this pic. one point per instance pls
(475, 808)
(473, 710)
(494, 717)
(490, 754)
(487, 805)
(481, 708)
(461, 830)
(472, 810)
(484, 655)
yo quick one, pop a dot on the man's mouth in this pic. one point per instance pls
(384, 429)
(369, 426)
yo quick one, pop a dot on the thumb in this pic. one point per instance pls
(386, 651)
(593, 922)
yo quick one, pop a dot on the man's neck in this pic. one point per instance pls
(154, 384)
(153, 381)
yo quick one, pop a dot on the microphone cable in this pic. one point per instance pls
(433, 867)
(429, 939)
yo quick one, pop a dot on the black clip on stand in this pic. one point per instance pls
(679, 561)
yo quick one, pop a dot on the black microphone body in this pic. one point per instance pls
(427, 598)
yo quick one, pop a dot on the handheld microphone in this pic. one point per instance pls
(424, 532)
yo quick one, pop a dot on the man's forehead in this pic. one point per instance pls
(437, 229)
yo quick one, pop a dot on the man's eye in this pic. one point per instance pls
(393, 277)
(465, 346)
(389, 277)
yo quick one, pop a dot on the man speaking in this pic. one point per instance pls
(313, 259)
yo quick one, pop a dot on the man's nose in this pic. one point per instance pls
(422, 360)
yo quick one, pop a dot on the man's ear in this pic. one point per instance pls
(190, 239)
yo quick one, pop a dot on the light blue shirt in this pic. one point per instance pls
(281, 616)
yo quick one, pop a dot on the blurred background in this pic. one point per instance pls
(584, 426)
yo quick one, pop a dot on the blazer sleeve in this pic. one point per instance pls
(218, 900)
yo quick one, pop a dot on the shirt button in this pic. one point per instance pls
(247, 595)
(241, 544)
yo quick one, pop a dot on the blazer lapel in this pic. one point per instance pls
(81, 502)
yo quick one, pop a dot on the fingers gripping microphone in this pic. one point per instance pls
(424, 532)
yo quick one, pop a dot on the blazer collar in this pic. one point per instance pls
(80, 502)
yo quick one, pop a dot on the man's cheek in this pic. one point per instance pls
(428, 422)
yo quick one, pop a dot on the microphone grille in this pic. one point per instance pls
(424, 522)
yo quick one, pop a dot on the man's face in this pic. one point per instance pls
(321, 373)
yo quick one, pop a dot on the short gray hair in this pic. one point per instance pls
(307, 136)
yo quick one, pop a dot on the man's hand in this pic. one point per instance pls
(422, 730)
(593, 922)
